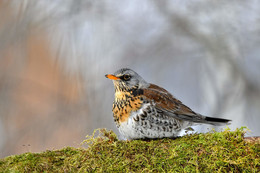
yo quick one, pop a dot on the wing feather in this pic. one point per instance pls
(169, 105)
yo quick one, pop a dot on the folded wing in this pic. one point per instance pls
(170, 106)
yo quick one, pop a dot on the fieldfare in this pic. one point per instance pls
(144, 110)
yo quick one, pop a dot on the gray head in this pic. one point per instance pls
(125, 79)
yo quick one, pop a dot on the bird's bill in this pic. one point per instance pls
(112, 77)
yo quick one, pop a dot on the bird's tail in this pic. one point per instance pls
(216, 121)
(198, 118)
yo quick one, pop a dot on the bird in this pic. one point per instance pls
(143, 110)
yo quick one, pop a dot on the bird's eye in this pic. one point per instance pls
(126, 77)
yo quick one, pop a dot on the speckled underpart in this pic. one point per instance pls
(124, 104)
(147, 122)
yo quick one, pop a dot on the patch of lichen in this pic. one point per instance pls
(225, 151)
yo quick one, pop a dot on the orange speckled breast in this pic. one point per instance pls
(124, 104)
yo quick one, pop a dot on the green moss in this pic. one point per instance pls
(211, 152)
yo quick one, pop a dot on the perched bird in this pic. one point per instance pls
(144, 110)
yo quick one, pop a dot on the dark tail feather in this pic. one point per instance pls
(217, 121)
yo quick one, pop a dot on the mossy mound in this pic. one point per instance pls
(225, 151)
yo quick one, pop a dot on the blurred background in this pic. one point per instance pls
(54, 55)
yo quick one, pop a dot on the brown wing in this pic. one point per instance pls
(170, 106)
(165, 102)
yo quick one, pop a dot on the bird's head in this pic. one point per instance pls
(127, 79)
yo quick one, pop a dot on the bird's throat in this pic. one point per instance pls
(121, 95)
